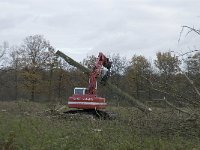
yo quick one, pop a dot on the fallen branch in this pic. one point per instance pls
(192, 83)
(179, 109)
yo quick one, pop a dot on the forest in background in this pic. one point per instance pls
(33, 72)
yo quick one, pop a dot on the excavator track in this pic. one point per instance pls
(100, 114)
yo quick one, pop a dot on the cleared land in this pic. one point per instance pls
(27, 125)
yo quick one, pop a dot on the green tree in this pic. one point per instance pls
(139, 69)
(119, 64)
(168, 66)
(167, 63)
(193, 64)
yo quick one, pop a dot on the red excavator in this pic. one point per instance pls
(86, 98)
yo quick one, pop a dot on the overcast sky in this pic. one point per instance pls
(84, 27)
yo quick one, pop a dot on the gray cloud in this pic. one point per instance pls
(113, 26)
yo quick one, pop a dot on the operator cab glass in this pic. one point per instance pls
(79, 91)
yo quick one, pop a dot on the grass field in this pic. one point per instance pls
(27, 125)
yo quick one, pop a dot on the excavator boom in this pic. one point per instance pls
(73, 63)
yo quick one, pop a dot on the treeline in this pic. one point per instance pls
(35, 73)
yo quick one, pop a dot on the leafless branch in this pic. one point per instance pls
(190, 29)
(2, 52)
(192, 84)
(171, 94)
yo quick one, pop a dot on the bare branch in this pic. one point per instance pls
(191, 29)
(192, 84)
(180, 34)
(2, 52)
(170, 94)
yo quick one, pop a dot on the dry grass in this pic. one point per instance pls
(26, 125)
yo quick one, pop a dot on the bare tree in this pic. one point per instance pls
(15, 66)
(35, 54)
(2, 52)
(194, 60)
(3, 48)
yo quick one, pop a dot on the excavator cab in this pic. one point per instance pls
(80, 91)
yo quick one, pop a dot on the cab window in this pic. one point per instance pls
(79, 91)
